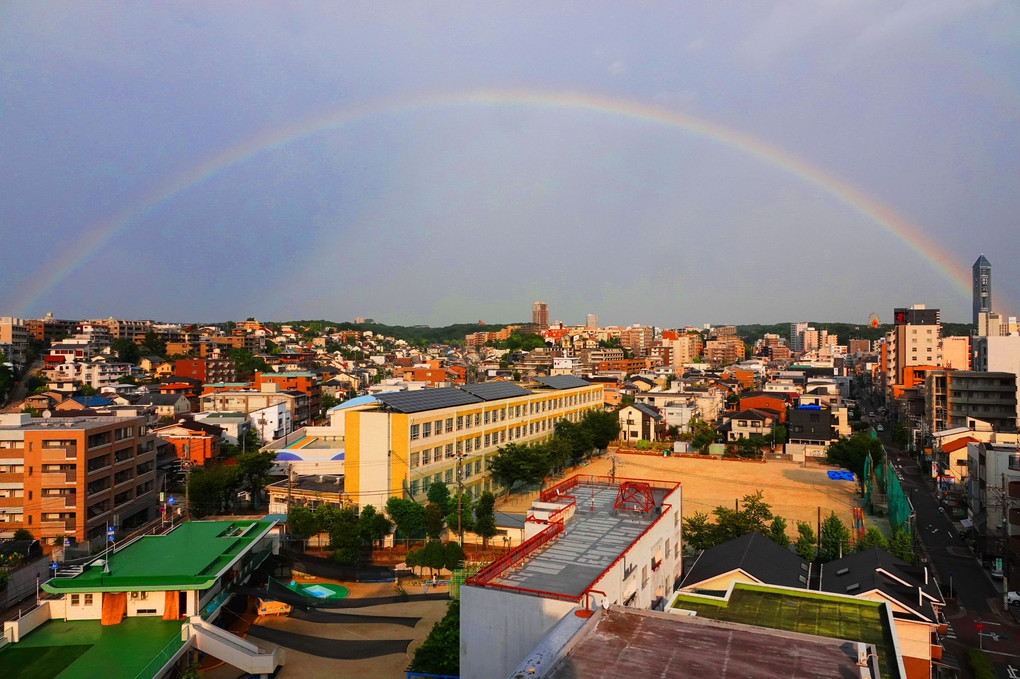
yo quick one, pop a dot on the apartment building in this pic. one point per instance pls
(951, 397)
(14, 333)
(914, 340)
(206, 369)
(305, 382)
(399, 443)
(73, 477)
(250, 400)
(591, 542)
(725, 350)
(993, 480)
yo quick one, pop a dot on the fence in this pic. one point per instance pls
(162, 658)
(900, 510)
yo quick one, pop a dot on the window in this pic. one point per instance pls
(449, 425)
(75, 599)
(478, 419)
(460, 422)
(486, 417)
(426, 430)
(502, 436)
(425, 456)
(478, 443)
(502, 414)
(449, 450)
(449, 476)
(478, 466)
(460, 447)
(487, 441)
(88, 599)
(414, 487)
(415, 429)
(467, 446)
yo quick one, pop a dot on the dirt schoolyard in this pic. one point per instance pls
(795, 492)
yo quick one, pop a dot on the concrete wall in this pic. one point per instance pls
(506, 628)
(374, 446)
(15, 629)
(81, 610)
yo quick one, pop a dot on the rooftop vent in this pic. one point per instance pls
(842, 571)
(853, 587)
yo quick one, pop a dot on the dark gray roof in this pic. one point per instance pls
(876, 568)
(426, 399)
(756, 555)
(492, 391)
(647, 410)
(158, 399)
(563, 382)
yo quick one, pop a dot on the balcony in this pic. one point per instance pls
(53, 503)
(56, 528)
(936, 646)
(50, 479)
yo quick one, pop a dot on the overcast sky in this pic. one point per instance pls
(424, 208)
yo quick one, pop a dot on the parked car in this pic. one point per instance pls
(1013, 598)
(997, 573)
(880, 428)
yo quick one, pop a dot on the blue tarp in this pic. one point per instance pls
(841, 476)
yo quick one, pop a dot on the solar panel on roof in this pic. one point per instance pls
(563, 382)
(427, 399)
(492, 391)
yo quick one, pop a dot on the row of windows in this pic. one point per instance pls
(422, 485)
(437, 427)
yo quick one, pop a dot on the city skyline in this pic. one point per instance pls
(707, 165)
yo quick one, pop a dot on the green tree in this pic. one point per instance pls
(22, 534)
(408, 516)
(301, 522)
(434, 556)
(126, 350)
(462, 507)
(413, 559)
(253, 470)
(126, 379)
(577, 437)
(345, 537)
(327, 517)
(698, 531)
(485, 519)
(432, 520)
(901, 546)
(152, 345)
(439, 493)
(440, 652)
(515, 463)
(603, 426)
(777, 531)
(454, 556)
(850, 453)
(246, 364)
(835, 539)
(372, 525)
(328, 401)
(900, 436)
(88, 390)
(872, 538)
(805, 544)
(209, 489)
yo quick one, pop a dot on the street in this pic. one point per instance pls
(971, 597)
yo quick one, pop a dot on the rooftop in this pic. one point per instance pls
(805, 612)
(82, 649)
(622, 642)
(190, 556)
(591, 541)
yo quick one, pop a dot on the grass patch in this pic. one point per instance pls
(43, 662)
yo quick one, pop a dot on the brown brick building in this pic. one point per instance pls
(74, 476)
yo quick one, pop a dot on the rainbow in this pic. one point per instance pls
(97, 235)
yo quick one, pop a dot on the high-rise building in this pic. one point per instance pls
(540, 314)
(982, 287)
(913, 341)
(797, 337)
(592, 321)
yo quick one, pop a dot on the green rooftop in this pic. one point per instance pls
(804, 612)
(85, 649)
(190, 556)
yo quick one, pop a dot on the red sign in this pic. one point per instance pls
(979, 626)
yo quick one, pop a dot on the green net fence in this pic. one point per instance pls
(900, 510)
(866, 481)
(461, 574)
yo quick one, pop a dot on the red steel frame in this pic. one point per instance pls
(635, 496)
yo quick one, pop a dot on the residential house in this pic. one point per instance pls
(641, 422)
